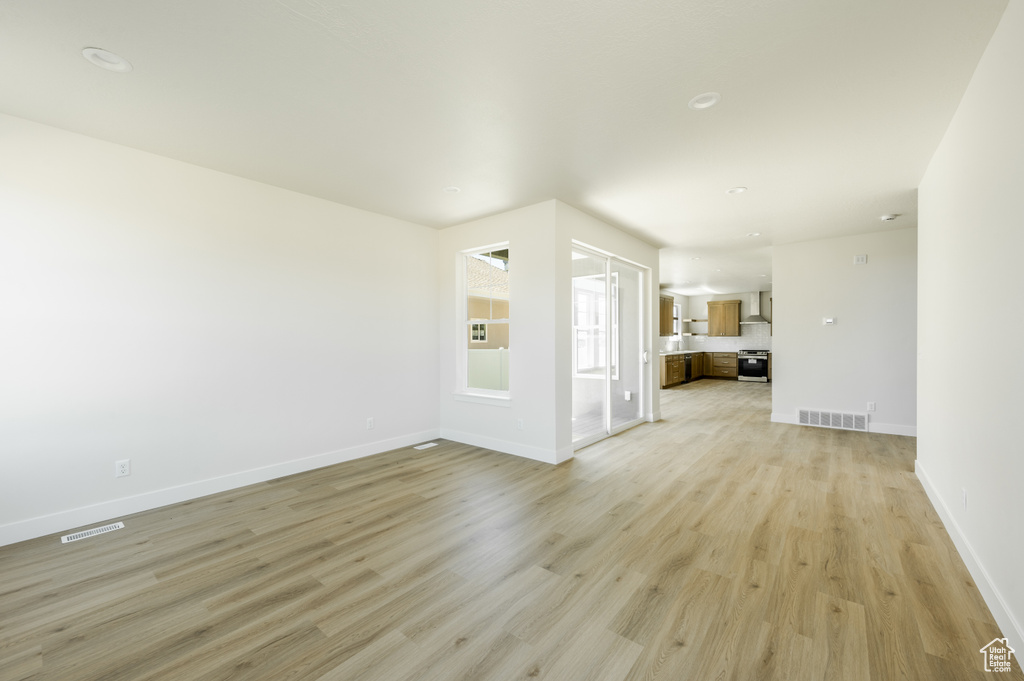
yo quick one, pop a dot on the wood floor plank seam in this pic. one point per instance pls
(713, 544)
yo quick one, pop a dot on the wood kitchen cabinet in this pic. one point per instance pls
(724, 365)
(677, 374)
(723, 318)
(665, 305)
(672, 370)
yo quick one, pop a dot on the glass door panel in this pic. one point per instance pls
(590, 346)
(626, 347)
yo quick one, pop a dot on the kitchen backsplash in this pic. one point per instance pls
(752, 337)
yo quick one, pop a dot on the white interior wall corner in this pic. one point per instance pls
(970, 281)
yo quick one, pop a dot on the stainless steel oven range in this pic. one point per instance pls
(753, 365)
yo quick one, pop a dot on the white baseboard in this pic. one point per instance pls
(892, 429)
(1009, 625)
(873, 426)
(564, 454)
(115, 508)
(506, 447)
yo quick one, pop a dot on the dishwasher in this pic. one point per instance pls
(687, 368)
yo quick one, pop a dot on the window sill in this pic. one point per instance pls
(478, 398)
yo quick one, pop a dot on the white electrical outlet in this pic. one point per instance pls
(871, 406)
(369, 423)
(122, 468)
(519, 424)
(629, 396)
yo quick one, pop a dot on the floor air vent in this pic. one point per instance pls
(833, 419)
(90, 533)
(426, 446)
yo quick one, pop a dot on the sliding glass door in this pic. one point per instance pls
(607, 335)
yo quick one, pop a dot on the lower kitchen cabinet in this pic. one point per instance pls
(672, 370)
(702, 364)
(724, 365)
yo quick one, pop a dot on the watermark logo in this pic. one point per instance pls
(998, 654)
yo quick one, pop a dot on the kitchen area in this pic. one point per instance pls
(721, 336)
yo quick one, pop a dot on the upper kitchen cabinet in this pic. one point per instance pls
(665, 305)
(723, 318)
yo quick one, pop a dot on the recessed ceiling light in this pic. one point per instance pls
(762, 275)
(695, 258)
(753, 233)
(736, 190)
(452, 190)
(107, 60)
(718, 270)
(705, 101)
(889, 218)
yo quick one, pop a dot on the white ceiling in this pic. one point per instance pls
(830, 110)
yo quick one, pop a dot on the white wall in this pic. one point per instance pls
(971, 283)
(870, 354)
(530, 233)
(214, 330)
(540, 300)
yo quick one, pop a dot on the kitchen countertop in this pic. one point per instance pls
(691, 352)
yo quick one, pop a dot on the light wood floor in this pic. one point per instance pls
(713, 545)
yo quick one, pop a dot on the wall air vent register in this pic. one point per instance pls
(833, 419)
(68, 538)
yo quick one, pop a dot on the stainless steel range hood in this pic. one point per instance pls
(755, 311)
